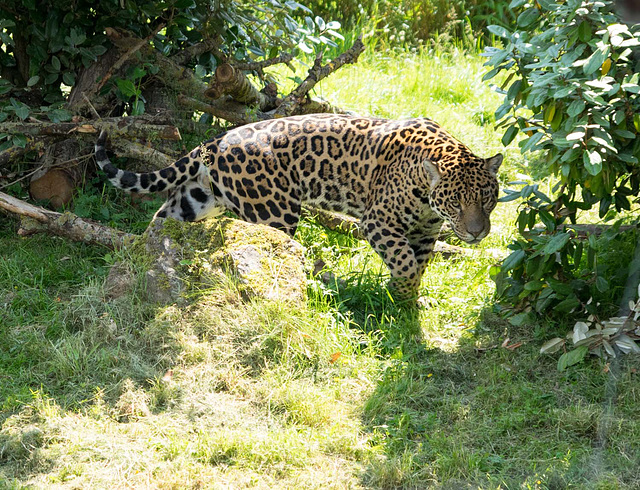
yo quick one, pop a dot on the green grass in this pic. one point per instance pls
(348, 391)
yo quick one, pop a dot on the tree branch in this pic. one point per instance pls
(131, 149)
(36, 220)
(225, 108)
(260, 65)
(232, 81)
(318, 72)
(138, 127)
(191, 52)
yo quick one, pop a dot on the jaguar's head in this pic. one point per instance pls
(464, 195)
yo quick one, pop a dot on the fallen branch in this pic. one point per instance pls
(231, 81)
(37, 220)
(136, 127)
(131, 149)
(318, 72)
(191, 52)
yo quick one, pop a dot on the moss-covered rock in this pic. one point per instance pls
(265, 261)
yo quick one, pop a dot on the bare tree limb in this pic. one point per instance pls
(260, 65)
(232, 81)
(131, 149)
(137, 127)
(226, 109)
(191, 52)
(37, 220)
(318, 72)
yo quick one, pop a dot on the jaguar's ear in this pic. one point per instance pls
(433, 174)
(493, 164)
(203, 178)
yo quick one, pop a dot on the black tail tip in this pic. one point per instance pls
(102, 139)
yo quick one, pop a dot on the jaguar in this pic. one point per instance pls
(401, 178)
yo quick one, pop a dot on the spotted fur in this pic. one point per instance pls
(401, 178)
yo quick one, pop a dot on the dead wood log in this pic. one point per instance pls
(231, 81)
(315, 106)
(348, 224)
(131, 149)
(318, 72)
(85, 92)
(35, 219)
(135, 127)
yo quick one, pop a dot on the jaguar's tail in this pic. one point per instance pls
(130, 181)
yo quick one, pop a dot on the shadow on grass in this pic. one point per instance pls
(481, 415)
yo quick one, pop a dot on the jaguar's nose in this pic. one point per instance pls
(475, 229)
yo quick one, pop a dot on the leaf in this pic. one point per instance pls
(33, 80)
(334, 357)
(520, 319)
(60, 115)
(572, 357)
(509, 134)
(576, 135)
(513, 260)
(580, 330)
(567, 305)
(19, 140)
(551, 346)
(627, 345)
(608, 348)
(528, 16)
(584, 31)
(126, 87)
(575, 108)
(69, 78)
(23, 111)
(304, 48)
(595, 61)
(602, 284)
(556, 243)
(184, 4)
(55, 63)
(592, 161)
(499, 31)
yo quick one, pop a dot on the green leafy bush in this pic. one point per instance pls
(571, 95)
(45, 46)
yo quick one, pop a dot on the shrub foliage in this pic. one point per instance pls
(570, 94)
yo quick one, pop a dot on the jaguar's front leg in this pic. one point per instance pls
(395, 250)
